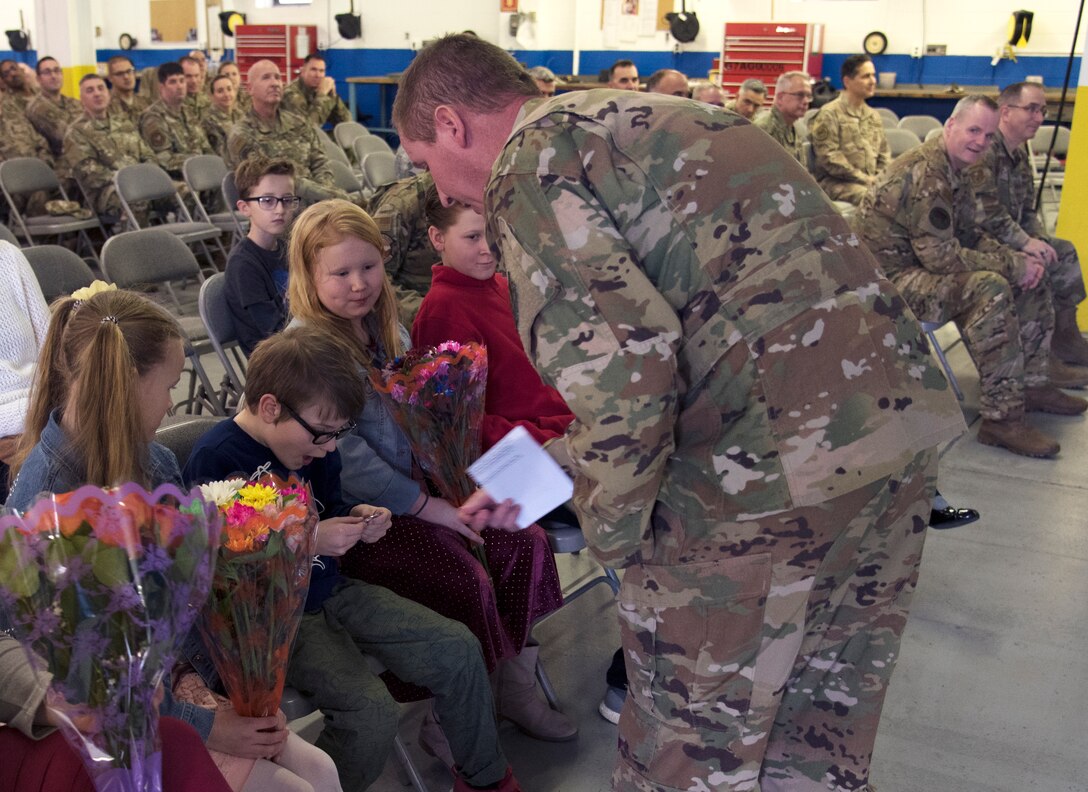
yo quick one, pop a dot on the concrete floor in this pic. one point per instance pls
(991, 690)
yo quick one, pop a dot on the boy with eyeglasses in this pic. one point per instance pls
(301, 386)
(257, 266)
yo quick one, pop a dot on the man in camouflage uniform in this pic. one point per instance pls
(17, 90)
(270, 131)
(51, 111)
(792, 94)
(750, 98)
(313, 95)
(623, 75)
(170, 127)
(100, 143)
(919, 220)
(848, 136)
(669, 82)
(224, 113)
(756, 410)
(18, 138)
(195, 95)
(400, 212)
(1005, 186)
(124, 98)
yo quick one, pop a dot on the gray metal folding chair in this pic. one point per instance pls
(364, 146)
(25, 175)
(181, 433)
(217, 318)
(889, 117)
(59, 271)
(146, 182)
(934, 133)
(6, 235)
(921, 125)
(153, 257)
(204, 173)
(346, 131)
(930, 329)
(231, 198)
(334, 152)
(344, 177)
(901, 140)
(379, 168)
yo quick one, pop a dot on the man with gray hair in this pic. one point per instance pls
(669, 82)
(919, 218)
(792, 94)
(1005, 185)
(708, 93)
(750, 98)
(544, 79)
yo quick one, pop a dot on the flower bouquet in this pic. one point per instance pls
(260, 585)
(101, 586)
(436, 396)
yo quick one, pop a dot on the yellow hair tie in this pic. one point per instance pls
(87, 292)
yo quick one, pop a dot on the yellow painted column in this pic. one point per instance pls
(65, 32)
(1073, 208)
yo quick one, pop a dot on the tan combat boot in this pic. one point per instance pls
(1049, 399)
(1017, 436)
(1067, 344)
(516, 700)
(1063, 375)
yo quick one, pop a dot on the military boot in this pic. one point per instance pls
(1049, 399)
(1017, 436)
(1062, 375)
(1067, 344)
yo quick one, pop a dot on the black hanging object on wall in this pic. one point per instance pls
(1020, 28)
(229, 20)
(19, 39)
(126, 41)
(683, 26)
(350, 24)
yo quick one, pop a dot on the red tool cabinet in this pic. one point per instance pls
(765, 50)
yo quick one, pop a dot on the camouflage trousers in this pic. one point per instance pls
(1066, 277)
(767, 669)
(1006, 329)
(851, 192)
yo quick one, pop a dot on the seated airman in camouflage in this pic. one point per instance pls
(101, 142)
(224, 113)
(756, 410)
(313, 95)
(51, 111)
(18, 90)
(171, 127)
(669, 82)
(749, 100)
(792, 94)
(123, 96)
(195, 72)
(270, 131)
(230, 69)
(18, 138)
(400, 210)
(1005, 187)
(920, 221)
(848, 136)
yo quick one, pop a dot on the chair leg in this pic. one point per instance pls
(409, 768)
(944, 363)
(546, 685)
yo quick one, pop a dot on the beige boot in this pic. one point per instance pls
(1049, 399)
(516, 700)
(1067, 344)
(1063, 375)
(1017, 436)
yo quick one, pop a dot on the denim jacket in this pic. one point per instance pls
(376, 456)
(54, 467)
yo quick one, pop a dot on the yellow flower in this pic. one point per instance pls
(257, 495)
(87, 292)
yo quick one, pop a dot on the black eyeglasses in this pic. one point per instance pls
(1033, 109)
(320, 438)
(268, 202)
(124, 73)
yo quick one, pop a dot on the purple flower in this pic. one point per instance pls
(125, 598)
(155, 559)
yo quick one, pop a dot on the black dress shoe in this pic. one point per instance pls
(950, 517)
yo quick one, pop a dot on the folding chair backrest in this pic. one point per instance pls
(23, 175)
(333, 151)
(901, 140)
(204, 172)
(343, 177)
(920, 125)
(346, 131)
(1040, 144)
(181, 435)
(213, 308)
(143, 182)
(6, 235)
(810, 156)
(59, 270)
(230, 190)
(368, 145)
(934, 133)
(147, 256)
(380, 168)
(888, 117)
